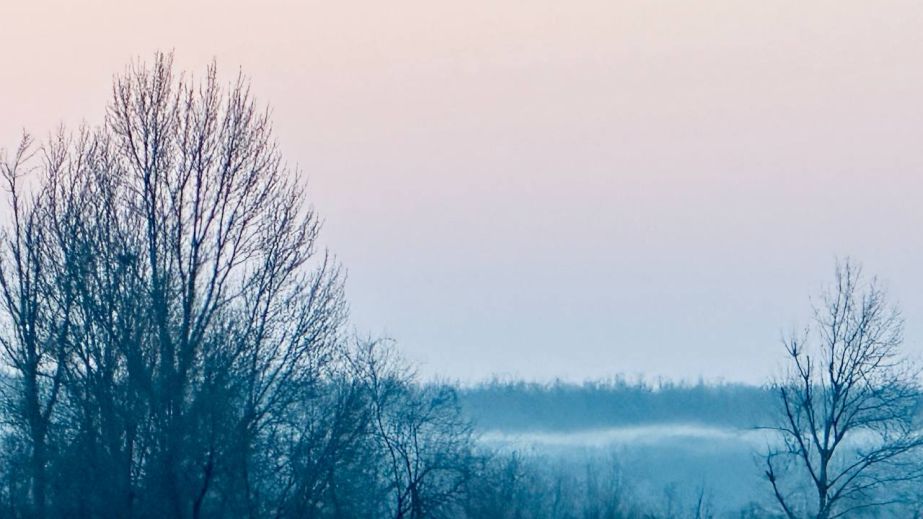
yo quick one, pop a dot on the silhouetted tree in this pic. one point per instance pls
(165, 304)
(848, 406)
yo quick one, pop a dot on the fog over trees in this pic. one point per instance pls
(175, 342)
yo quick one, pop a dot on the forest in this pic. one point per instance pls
(175, 342)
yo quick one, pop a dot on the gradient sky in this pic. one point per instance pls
(554, 189)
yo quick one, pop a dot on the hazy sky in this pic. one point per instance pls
(545, 188)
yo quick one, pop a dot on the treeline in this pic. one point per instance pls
(561, 406)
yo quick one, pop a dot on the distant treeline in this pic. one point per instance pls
(561, 406)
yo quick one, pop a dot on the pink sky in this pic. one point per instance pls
(544, 188)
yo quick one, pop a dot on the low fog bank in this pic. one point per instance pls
(692, 436)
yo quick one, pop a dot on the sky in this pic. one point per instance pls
(546, 189)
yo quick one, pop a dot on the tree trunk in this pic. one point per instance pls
(39, 484)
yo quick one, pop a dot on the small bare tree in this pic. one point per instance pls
(848, 406)
(426, 443)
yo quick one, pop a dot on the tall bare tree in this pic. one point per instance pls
(848, 406)
(164, 300)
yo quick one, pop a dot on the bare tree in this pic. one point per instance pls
(36, 309)
(324, 451)
(426, 443)
(164, 301)
(848, 407)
